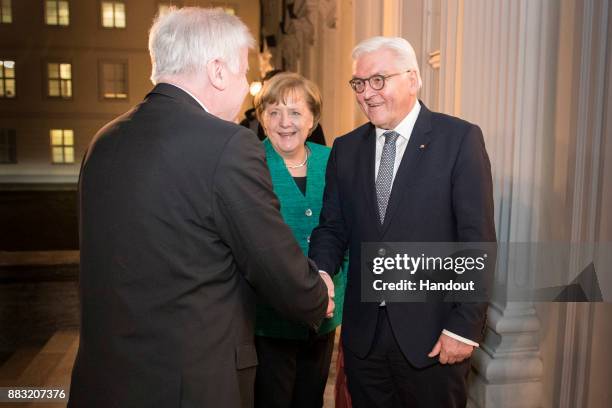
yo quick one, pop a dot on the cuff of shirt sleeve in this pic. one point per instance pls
(461, 339)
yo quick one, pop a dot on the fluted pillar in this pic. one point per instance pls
(497, 72)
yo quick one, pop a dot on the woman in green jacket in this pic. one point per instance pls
(293, 361)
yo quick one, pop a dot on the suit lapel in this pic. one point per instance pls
(367, 160)
(408, 171)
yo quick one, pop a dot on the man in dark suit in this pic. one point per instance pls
(179, 230)
(409, 175)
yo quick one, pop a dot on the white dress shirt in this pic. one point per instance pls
(404, 129)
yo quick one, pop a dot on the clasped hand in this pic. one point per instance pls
(330, 293)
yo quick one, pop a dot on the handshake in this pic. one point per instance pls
(330, 293)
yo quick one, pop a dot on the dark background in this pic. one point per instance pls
(39, 220)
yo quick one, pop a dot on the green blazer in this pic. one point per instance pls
(301, 213)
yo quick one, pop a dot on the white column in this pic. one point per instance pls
(587, 137)
(497, 73)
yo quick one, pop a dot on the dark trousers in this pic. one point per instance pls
(292, 373)
(385, 379)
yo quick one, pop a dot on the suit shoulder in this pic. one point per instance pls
(203, 128)
(445, 121)
(355, 135)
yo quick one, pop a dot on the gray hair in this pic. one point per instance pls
(406, 57)
(185, 40)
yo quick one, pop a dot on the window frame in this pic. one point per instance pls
(101, 14)
(101, 79)
(224, 5)
(10, 2)
(12, 147)
(63, 146)
(59, 26)
(3, 79)
(46, 78)
(177, 4)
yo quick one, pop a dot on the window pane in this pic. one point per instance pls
(66, 88)
(114, 81)
(51, 6)
(68, 137)
(65, 71)
(64, 13)
(53, 70)
(2, 88)
(109, 86)
(68, 155)
(120, 15)
(117, 71)
(54, 89)
(57, 154)
(6, 12)
(8, 146)
(163, 9)
(107, 14)
(9, 70)
(108, 71)
(9, 88)
(56, 137)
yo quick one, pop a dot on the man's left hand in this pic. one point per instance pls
(451, 351)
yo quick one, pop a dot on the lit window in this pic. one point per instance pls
(59, 80)
(62, 145)
(8, 146)
(114, 80)
(7, 79)
(113, 14)
(57, 13)
(6, 12)
(225, 7)
(163, 8)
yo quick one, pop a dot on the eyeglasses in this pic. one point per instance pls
(377, 82)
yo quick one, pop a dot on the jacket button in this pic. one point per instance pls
(381, 251)
(308, 212)
(308, 239)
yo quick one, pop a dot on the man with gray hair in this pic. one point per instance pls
(179, 230)
(408, 175)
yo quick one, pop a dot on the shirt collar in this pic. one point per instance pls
(404, 128)
(190, 94)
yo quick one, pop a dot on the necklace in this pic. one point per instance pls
(302, 164)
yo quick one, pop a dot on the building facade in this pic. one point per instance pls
(68, 67)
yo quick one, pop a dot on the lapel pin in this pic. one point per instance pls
(422, 146)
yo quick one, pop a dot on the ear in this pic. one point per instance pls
(311, 126)
(414, 82)
(217, 74)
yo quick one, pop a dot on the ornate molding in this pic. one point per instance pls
(434, 59)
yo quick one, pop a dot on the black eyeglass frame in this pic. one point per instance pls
(382, 77)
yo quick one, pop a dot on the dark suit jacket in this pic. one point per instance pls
(441, 193)
(179, 228)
